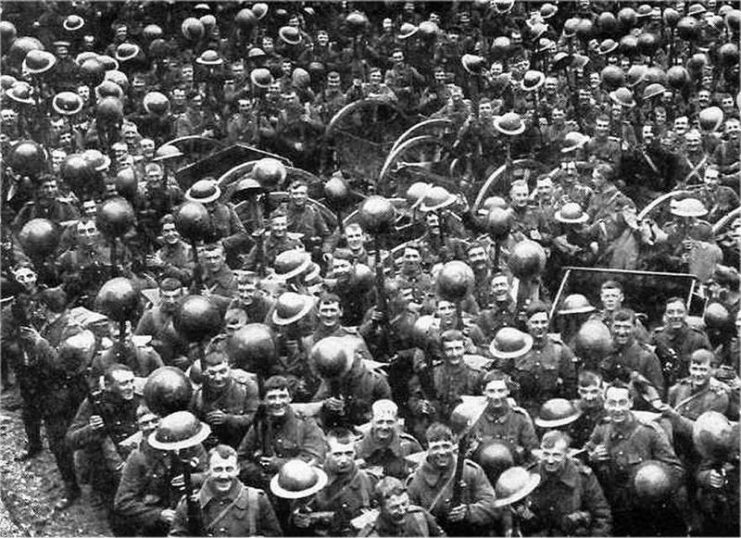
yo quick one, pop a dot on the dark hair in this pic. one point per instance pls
(605, 170)
(329, 298)
(214, 357)
(451, 335)
(675, 299)
(617, 384)
(536, 307)
(276, 382)
(118, 367)
(341, 435)
(55, 299)
(612, 285)
(167, 219)
(588, 378)
(496, 375)
(223, 451)
(625, 314)
(343, 254)
(438, 432)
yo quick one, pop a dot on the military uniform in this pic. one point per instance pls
(177, 261)
(141, 358)
(501, 314)
(628, 445)
(271, 248)
(573, 489)
(420, 283)
(292, 437)
(348, 496)
(675, 347)
(165, 339)
(634, 356)
(514, 428)
(449, 385)
(245, 511)
(101, 457)
(544, 372)
(57, 211)
(223, 282)
(359, 388)
(417, 522)
(391, 456)
(238, 399)
(145, 489)
(607, 151)
(431, 487)
(690, 403)
(581, 429)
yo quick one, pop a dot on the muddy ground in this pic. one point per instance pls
(29, 489)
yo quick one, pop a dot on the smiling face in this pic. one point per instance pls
(618, 404)
(277, 402)
(440, 453)
(223, 473)
(453, 352)
(216, 373)
(590, 396)
(675, 315)
(330, 314)
(537, 325)
(622, 332)
(122, 384)
(554, 458)
(396, 507)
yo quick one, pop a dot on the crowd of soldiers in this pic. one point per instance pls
(235, 360)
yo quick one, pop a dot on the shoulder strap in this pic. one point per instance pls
(422, 521)
(252, 508)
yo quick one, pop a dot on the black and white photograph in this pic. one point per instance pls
(370, 268)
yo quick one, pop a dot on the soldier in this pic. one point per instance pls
(503, 420)
(354, 291)
(348, 492)
(225, 223)
(134, 352)
(218, 278)
(676, 340)
(276, 435)
(569, 500)
(60, 350)
(267, 249)
(546, 370)
(720, 199)
(175, 257)
(607, 200)
(501, 309)
(726, 155)
(450, 380)
(590, 404)
(256, 304)
(347, 394)
(158, 323)
(528, 222)
(385, 445)
(602, 148)
(432, 485)
(631, 356)
(225, 404)
(146, 496)
(20, 323)
(46, 205)
(228, 507)
(411, 276)
(102, 422)
(616, 448)
(397, 516)
(305, 218)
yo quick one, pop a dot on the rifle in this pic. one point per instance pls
(195, 516)
(94, 398)
(384, 326)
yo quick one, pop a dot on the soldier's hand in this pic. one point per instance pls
(334, 404)
(29, 334)
(167, 515)
(377, 316)
(424, 407)
(599, 453)
(574, 520)
(270, 463)
(535, 235)
(216, 418)
(181, 362)
(301, 520)
(96, 422)
(717, 480)
(458, 513)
